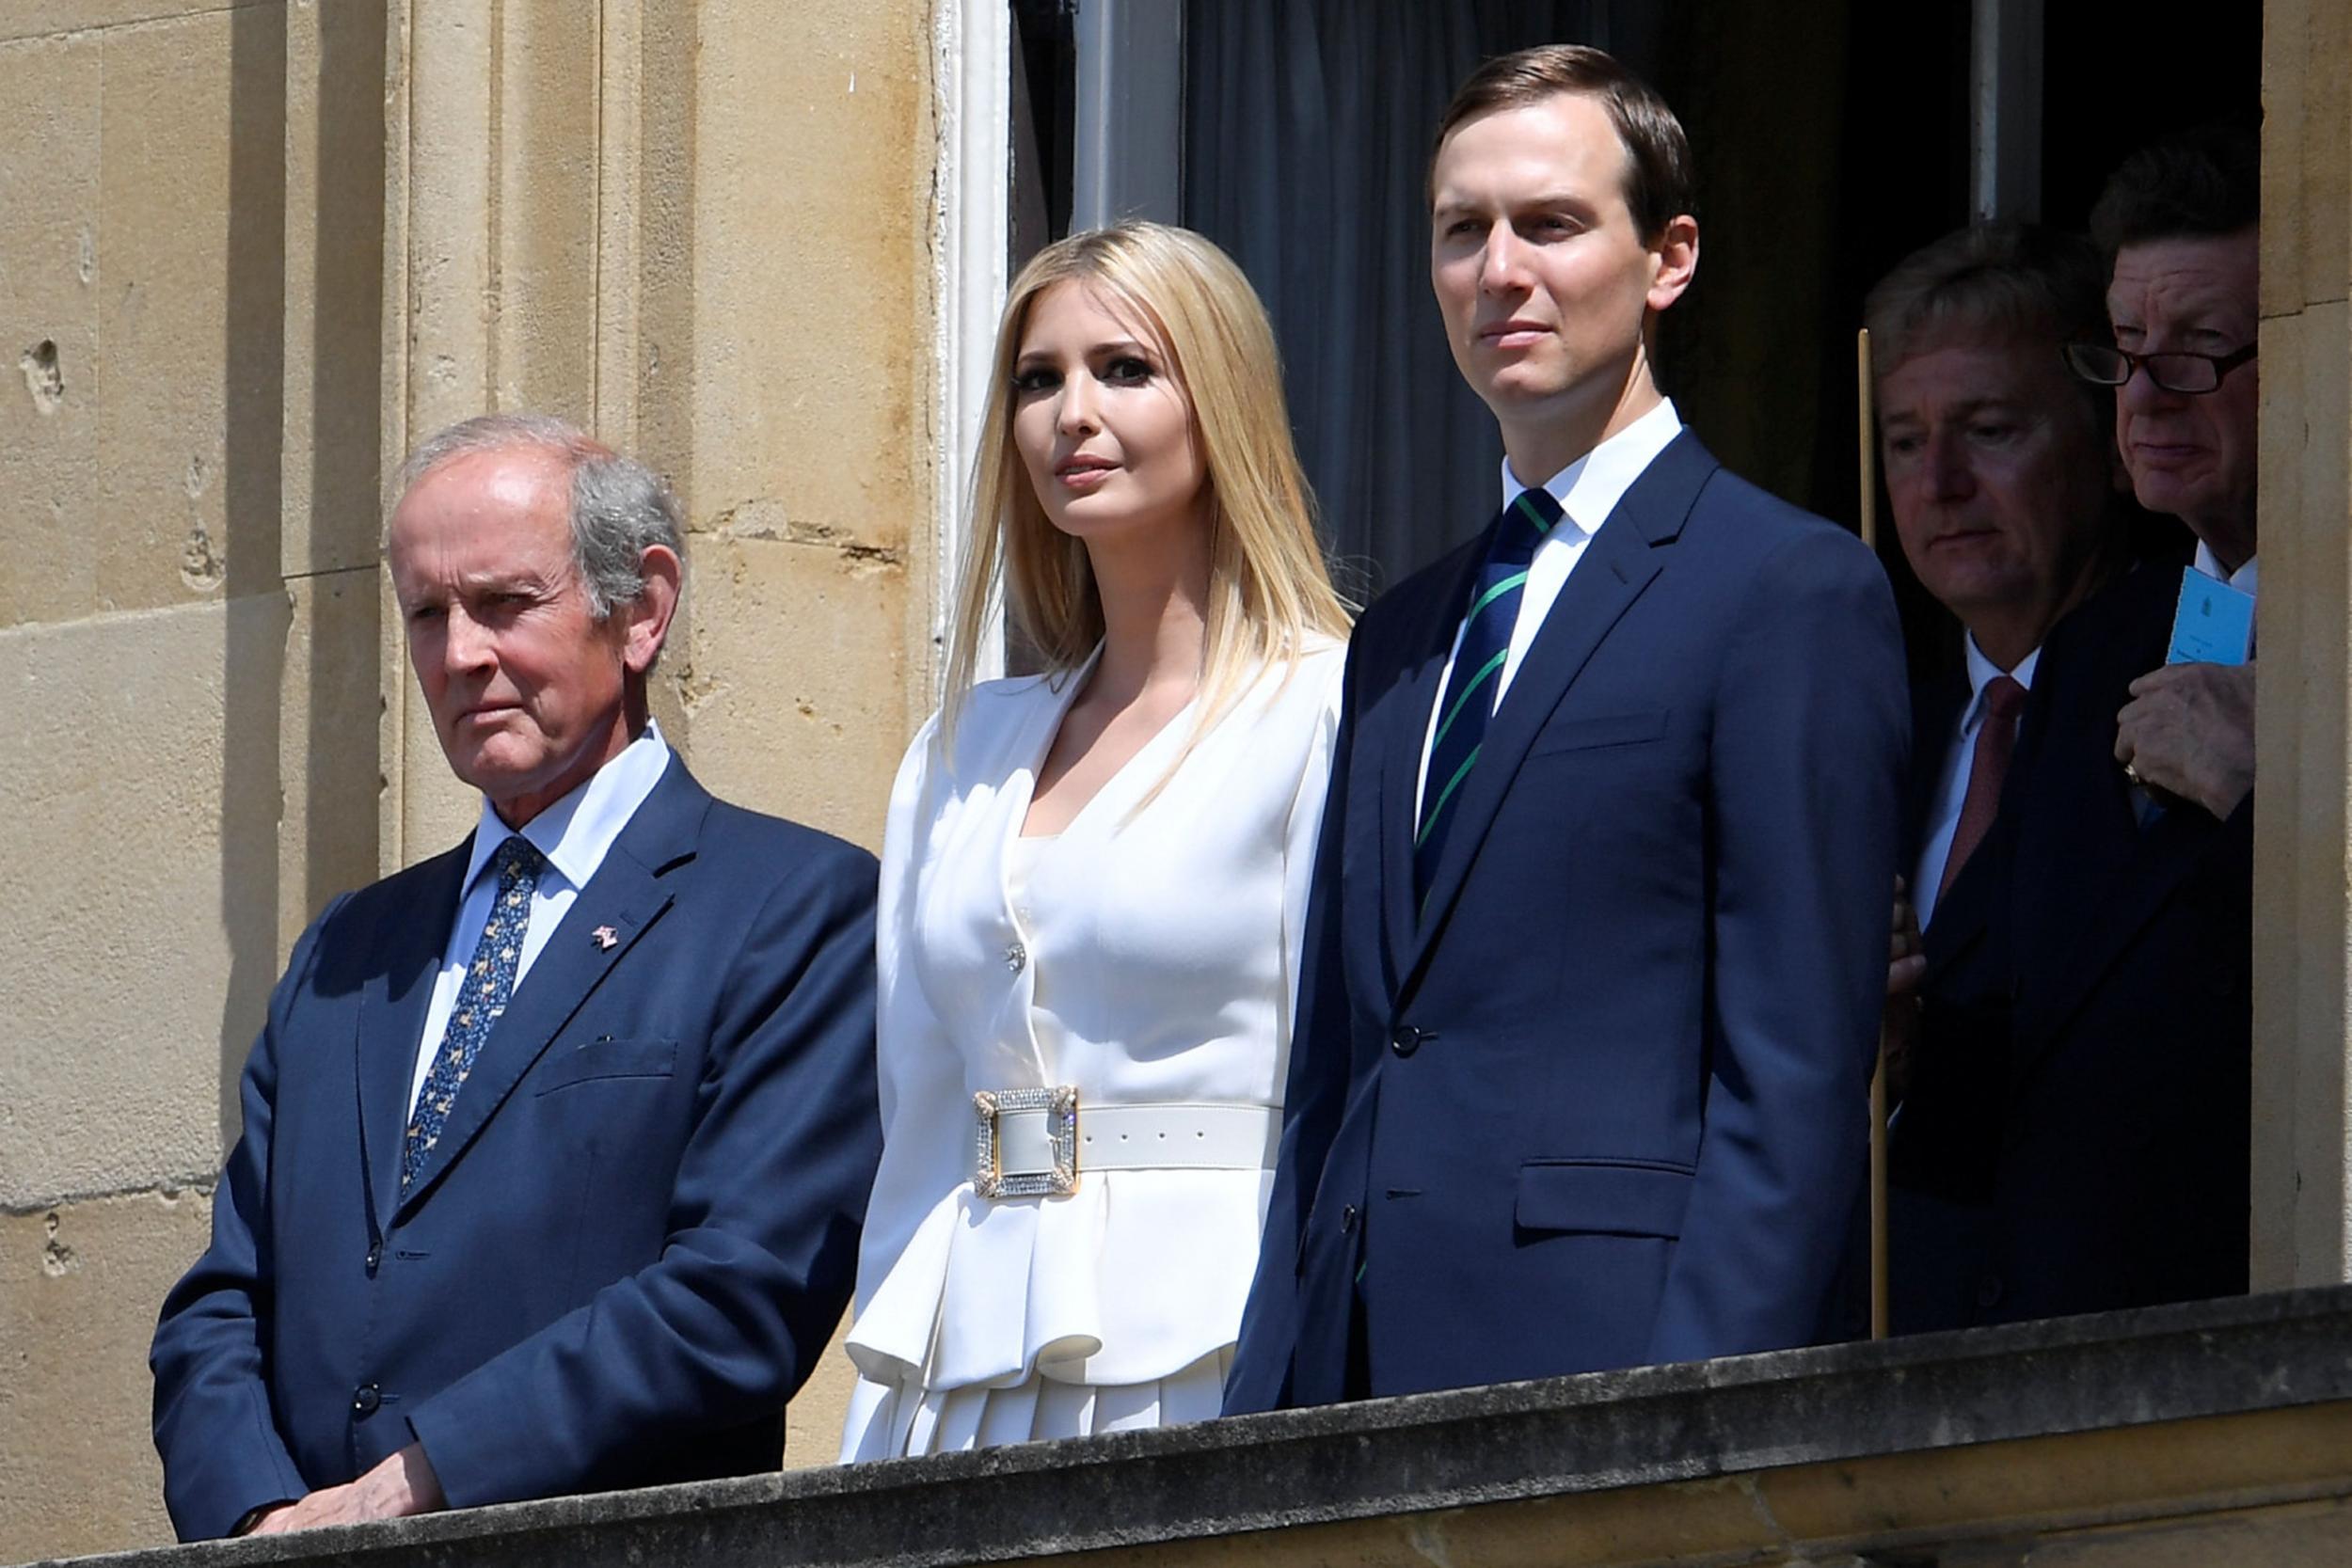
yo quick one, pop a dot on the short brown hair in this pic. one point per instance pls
(1658, 182)
(2201, 183)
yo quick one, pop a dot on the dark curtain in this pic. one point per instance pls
(1307, 137)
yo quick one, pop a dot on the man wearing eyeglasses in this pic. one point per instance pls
(2181, 219)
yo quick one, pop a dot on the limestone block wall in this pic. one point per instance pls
(2302, 1186)
(251, 251)
(188, 656)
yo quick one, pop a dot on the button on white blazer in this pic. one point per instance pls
(1166, 927)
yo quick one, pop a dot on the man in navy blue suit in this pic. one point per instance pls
(1598, 933)
(555, 1145)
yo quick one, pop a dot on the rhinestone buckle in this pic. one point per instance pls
(1059, 1106)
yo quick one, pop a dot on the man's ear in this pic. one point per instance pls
(1678, 253)
(646, 617)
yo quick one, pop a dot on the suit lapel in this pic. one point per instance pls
(1962, 915)
(1408, 705)
(2117, 872)
(1615, 567)
(1963, 912)
(626, 894)
(391, 1018)
(1935, 707)
(2108, 908)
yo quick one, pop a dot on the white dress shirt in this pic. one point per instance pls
(1149, 953)
(574, 834)
(1587, 490)
(2243, 579)
(1960, 761)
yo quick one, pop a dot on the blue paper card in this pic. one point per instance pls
(2213, 623)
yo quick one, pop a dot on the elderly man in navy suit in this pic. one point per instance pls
(555, 1145)
(1598, 937)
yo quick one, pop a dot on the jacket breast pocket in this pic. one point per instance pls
(1610, 1198)
(1600, 729)
(601, 1059)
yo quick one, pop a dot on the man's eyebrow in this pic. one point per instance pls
(501, 580)
(1960, 409)
(1551, 200)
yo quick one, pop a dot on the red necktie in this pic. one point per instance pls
(1997, 738)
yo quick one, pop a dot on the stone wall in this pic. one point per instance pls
(2302, 1188)
(250, 251)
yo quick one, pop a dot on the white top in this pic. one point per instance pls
(1960, 760)
(1171, 929)
(2243, 579)
(1587, 490)
(575, 833)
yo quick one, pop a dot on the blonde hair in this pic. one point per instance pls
(1269, 588)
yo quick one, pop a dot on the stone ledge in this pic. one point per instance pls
(1904, 1447)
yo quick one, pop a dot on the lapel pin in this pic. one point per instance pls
(605, 939)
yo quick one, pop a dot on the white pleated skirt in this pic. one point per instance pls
(889, 1423)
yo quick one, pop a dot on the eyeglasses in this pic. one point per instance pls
(2174, 372)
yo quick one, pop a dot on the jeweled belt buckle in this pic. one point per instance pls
(1043, 1165)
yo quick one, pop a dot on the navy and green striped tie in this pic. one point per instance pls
(1469, 700)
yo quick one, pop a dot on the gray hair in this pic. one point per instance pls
(1994, 281)
(619, 507)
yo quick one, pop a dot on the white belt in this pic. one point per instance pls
(1035, 1142)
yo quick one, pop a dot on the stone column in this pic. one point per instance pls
(702, 228)
(2302, 1172)
(189, 662)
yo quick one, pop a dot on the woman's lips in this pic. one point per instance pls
(1085, 473)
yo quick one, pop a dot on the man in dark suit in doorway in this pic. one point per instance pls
(2071, 1133)
(2180, 219)
(1597, 938)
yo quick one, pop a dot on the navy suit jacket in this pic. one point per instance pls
(1602, 1099)
(638, 1230)
(2075, 1135)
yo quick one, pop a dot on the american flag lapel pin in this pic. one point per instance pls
(606, 938)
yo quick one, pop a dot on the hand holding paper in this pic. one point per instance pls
(2189, 731)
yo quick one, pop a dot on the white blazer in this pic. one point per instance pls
(1167, 937)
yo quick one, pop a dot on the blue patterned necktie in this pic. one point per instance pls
(482, 997)
(1470, 699)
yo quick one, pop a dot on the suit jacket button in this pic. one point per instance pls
(365, 1399)
(1347, 1219)
(1404, 1040)
(375, 1258)
(1990, 1290)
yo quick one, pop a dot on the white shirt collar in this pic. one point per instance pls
(1981, 671)
(1589, 488)
(576, 832)
(2242, 580)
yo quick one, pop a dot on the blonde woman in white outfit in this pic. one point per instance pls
(1094, 879)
